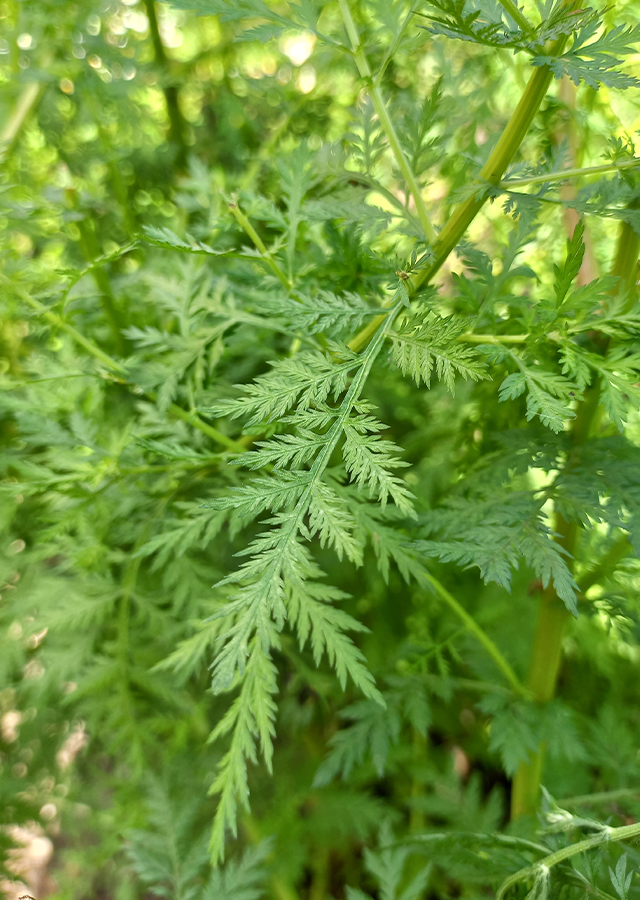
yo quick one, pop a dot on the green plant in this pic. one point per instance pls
(366, 356)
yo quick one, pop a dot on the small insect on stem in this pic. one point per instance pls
(402, 275)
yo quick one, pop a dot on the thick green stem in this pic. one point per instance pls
(498, 161)
(470, 338)
(280, 889)
(565, 135)
(543, 675)
(598, 798)
(386, 123)
(417, 818)
(546, 653)
(625, 264)
(177, 124)
(319, 875)
(492, 172)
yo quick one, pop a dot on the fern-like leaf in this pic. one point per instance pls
(279, 578)
(426, 343)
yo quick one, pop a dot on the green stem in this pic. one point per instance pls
(366, 180)
(176, 411)
(511, 8)
(394, 46)
(625, 264)
(492, 172)
(600, 797)
(386, 123)
(27, 101)
(60, 323)
(624, 833)
(91, 252)
(192, 418)
(417, 818)
(281, 890)
(119, 186)
(472, 626)
(246, 225)
(546, 653)
(264, 153)
(177, 124)
(571, 173)
(545, 665)
(319, 874)
(607, 564)
(499, 159)
(469, 338)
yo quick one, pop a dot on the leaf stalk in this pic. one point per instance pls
(246, 225)
(472, 626)
(386, 123)
(607, 834)
(176, 411)
(582, 172)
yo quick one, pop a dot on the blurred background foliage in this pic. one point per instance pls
(118, 115)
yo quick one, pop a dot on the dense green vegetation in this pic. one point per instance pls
(320, 448)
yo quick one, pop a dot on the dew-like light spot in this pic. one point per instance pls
(298, 47)
(49, 811)
(306, 80)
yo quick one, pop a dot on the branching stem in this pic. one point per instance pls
(246, 225)
(492, 172)
(366, 180)
(113, 365)
(562, 175)
(394, 46)
(609, 835)
(607, 564)
(91, 253)
(472, 626)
